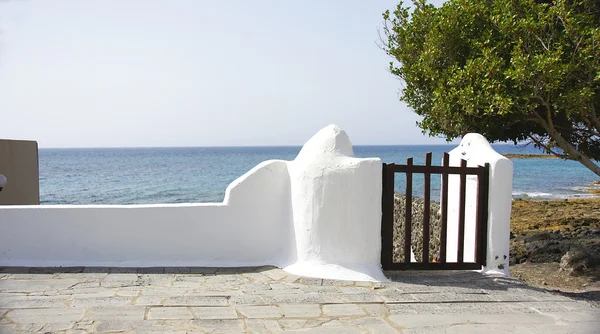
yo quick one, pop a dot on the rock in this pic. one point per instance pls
(578, 261)
(547, 247)
(542, 236)
(416, 228)
(540, 247)
(544, 247)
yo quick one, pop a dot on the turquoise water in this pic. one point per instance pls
(201, 174)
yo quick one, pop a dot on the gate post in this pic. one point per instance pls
(336, 210)
(477, 151)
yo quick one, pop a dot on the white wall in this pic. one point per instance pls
(337, 209)
(318, 215)
(475, 149)
(251, 227)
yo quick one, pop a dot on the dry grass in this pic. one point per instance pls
(530, 156)
(529, 216)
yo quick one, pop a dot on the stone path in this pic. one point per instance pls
(266, 299)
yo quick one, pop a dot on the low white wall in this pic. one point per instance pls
(476, 150)
(251, 227)
(318, 215)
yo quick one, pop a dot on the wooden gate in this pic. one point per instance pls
(387, 223)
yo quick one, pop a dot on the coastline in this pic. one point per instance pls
(544, 231)
(529, 156)
(586, 191)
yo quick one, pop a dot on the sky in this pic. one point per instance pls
(133, 73)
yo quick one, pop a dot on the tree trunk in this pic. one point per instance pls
(567, 147)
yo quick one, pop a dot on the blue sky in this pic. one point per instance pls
(107, 73)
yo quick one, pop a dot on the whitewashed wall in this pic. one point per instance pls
(251, 227)
(318, 215)
(476, 150)
(337, 209)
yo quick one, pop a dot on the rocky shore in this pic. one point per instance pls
(561, 234)
(417, 228)
(581, 246)
(558, 239)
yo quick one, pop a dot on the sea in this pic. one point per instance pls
(201, 174)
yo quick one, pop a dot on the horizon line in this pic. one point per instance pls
(252, 146)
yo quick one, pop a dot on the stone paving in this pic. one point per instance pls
(267, 299)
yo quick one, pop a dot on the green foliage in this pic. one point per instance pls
(511, 70)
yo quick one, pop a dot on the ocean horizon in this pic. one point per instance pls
(153, 175)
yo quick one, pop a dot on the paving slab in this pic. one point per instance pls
(301, 310)
(260, 312)
(121, 313)
(196, 300)
(220, 325)
(267, 299)
(170, 313)
(343, 310)
(215, 313)
(44, 315)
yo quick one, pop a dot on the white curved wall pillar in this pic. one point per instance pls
(477, 151)
(336, 201)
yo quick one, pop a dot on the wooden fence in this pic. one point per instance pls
(481, 208)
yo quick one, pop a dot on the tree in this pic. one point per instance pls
(512, 70)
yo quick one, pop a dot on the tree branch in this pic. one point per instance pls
(542, 42)
(566, 146)
(547, 147)
(594, 118)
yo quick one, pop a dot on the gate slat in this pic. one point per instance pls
(444, 237)
(426, 209)
(387, 217)
(408, 211)
(479, 213)
(461, 212)
(484, 215)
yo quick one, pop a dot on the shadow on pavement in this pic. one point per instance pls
(135, 270)
(475, 280)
